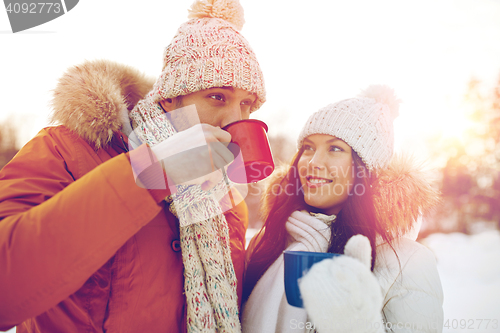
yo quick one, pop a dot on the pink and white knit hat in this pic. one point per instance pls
(365, 123)
(209, 51)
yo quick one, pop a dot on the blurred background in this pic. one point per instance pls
(442, 57)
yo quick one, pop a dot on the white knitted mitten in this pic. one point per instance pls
(311, 232)
(342, 294)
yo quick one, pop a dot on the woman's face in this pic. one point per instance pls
(326, 171)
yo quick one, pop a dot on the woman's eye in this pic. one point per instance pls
(308, 147)
(335, 148)
(246, 103)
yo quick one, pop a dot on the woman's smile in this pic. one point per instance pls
(314, 181)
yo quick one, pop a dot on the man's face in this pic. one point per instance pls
(216, 106)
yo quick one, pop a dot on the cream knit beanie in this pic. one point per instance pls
(209, 51)
(365, 123)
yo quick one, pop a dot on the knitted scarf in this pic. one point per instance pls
(209, 277)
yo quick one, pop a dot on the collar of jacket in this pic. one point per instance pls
(93, 99)
(120, 142)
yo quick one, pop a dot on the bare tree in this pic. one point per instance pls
(471, 175)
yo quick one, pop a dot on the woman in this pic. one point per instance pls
(345, 193)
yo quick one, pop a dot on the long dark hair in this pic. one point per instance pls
(285, 195)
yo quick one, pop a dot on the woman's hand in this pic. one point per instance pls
(342, 294)
(309, 231)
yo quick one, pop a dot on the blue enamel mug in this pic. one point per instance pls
(297, 264)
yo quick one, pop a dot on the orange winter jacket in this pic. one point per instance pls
(83, 248)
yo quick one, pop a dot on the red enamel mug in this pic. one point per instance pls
(253, 160)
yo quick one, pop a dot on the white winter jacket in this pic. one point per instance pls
(413, 296)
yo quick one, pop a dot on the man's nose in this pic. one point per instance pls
(232, 113)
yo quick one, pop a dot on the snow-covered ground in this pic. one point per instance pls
(469, 267)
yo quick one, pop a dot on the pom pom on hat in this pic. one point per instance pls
(384, 95)
(228, 10)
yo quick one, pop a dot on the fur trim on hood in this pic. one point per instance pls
(402, 194)
(93, 99)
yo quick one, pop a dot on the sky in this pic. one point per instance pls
(312, 54)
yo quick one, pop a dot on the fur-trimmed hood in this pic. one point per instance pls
(93, 99)
(402, 195)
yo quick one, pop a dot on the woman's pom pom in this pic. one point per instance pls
(385, 95)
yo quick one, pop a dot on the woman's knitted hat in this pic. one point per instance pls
(365, 123)
(208, 51)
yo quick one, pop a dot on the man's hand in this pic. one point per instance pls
(195, 156)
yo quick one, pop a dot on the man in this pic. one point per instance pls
(94, 235)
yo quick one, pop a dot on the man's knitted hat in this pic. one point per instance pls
(208, 51)
(365, 123)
